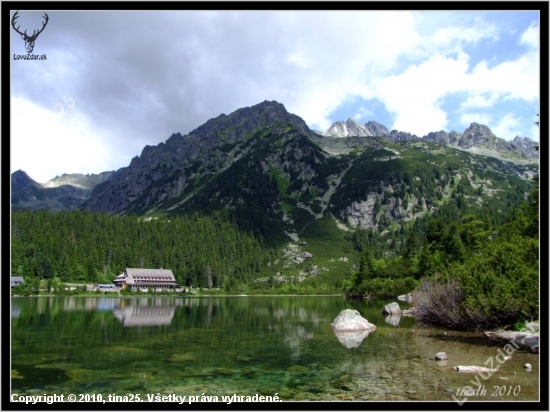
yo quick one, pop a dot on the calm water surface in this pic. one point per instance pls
(263, 345)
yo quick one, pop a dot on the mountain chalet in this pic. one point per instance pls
(143, 279)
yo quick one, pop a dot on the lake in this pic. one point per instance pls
(246, 345)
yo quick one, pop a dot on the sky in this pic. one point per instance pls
(113, 82)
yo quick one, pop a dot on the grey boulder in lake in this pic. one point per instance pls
(441, 356)
(351, 328)
(392, 309)
(351, 321)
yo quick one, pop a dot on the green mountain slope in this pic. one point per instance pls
(313, 203)
(275, 177)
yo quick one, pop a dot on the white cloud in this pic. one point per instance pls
(453, 37)
(516, 78)
(362, 112)
(472, 117)
(335, 57)
(479, 100)
(530, 36)
(46, 143)
(509, 126)
(506, 127)
(414, 95)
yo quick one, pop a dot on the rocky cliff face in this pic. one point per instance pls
(397, 136)
(525, 146)
(348, 128)
(162, 172)
(351, 128)
(478, 135)
(443, 137)
(83, 181)
(263, 157)
(21, 180)
(376, 129)
(479, 139)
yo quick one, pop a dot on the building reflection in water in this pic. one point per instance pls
(146, 311)
(138, 315)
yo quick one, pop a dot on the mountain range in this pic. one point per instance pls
(65, 192)
(477, 138)
(275, 177)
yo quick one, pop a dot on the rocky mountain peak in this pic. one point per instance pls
(348, 128)
(376, 129)
(352, 123)
(173, 174)
(20, 180)
(526, 146)
(438, 137)
(477, 135)
(351, 128)
(248, 119)
(210, 148)
(83, 181)
(398, 136)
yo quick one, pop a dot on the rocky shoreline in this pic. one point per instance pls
(527, 340)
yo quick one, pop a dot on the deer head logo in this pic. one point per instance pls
(29, 40)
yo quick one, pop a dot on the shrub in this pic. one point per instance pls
(388, 288)
(497, 287)
(501, 286)
(520, 327)
(438, 302)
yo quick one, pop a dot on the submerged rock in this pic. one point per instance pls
(119, 353)
(350, 321)
(61, 366)
(93, 376)
(248, 372)
(223, 371)
(244, 358)
(182, 357)
(15, 374)
(132, 386)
